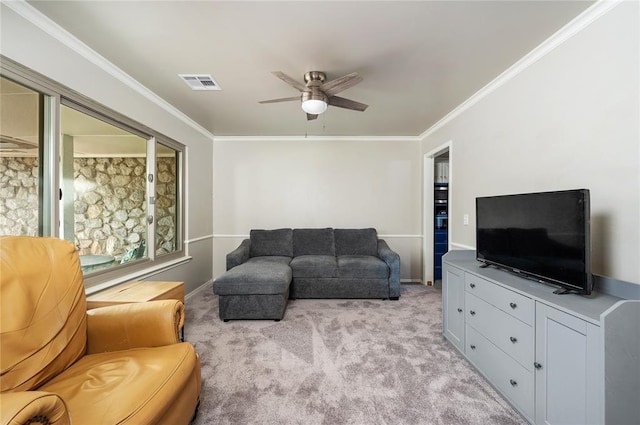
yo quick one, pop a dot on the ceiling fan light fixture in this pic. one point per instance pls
(314, 106)
(314, 102)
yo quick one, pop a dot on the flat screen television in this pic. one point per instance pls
(542, 236)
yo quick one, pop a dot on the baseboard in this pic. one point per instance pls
(411, 281)
(455, 245)
(199, 289)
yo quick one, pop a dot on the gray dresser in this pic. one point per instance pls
(558, 359)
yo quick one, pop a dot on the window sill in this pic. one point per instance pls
(138, 274)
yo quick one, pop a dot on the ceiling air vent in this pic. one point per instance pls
(200, 81)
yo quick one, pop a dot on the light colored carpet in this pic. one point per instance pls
(338, 362)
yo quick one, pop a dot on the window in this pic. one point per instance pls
(21, 134)
(114, 188)
(103, 171)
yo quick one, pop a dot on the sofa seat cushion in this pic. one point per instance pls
(260, 278)
(136, 387)
(271, 242)
(356, 241)
(362, 266)
(314, 266)
(317, 287)
(280, 259)
(313, 242)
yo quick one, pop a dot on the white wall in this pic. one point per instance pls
(36, 48)
(350, 183)
(570, 120)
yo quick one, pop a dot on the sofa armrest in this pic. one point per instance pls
(238, 255)
(135, 325)
(393, 261)
(25, 407)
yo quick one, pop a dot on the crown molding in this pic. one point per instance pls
(600, 8)
(37, 18)
(580, 22)
(316, 138)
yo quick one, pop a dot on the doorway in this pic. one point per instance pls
(436, 210)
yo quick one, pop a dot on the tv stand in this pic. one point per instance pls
(570, 359)
(564, 291)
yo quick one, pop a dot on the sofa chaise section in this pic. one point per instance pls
(254, 291)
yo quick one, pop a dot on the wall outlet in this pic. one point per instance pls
(465, 219)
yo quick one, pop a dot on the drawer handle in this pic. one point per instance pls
(513, 383)
(513, 305)
(473, 313)
(473, 347)
(459, 310)
(473, 285)
(513, 339)
(537, 365)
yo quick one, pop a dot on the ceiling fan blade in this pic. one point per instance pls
(293, 83)
(333, 87)
(311, 117)
(284, 99)
(341, 102)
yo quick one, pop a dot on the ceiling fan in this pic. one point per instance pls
(316, 95)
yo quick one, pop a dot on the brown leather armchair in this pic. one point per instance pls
(62, 364)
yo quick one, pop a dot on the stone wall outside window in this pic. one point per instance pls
(19, 196)
(109, 205)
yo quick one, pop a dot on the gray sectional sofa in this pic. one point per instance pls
(274, 265)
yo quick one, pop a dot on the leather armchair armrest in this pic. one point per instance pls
(135, 325)
(25, 407)
(393, 261)
(239, 255)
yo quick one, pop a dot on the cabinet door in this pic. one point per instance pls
(567, 365)
(453, 305)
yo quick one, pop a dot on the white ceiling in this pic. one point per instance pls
(419, 59)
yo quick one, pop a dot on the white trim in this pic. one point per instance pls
(428, 179)
(410, 281)
(316, 139)
(140, 275)
(587, 17)
(199, 289)
(558, 38)
(31, 14)
(201, 238)
(455, 245)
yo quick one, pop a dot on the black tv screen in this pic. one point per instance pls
(544, 236)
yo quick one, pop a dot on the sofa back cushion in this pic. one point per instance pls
(356, 241)
(271, 242)
(43, 319)
(313, 242)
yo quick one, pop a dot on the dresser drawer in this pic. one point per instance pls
(508, 333)
(514, 381)
(508, 301)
